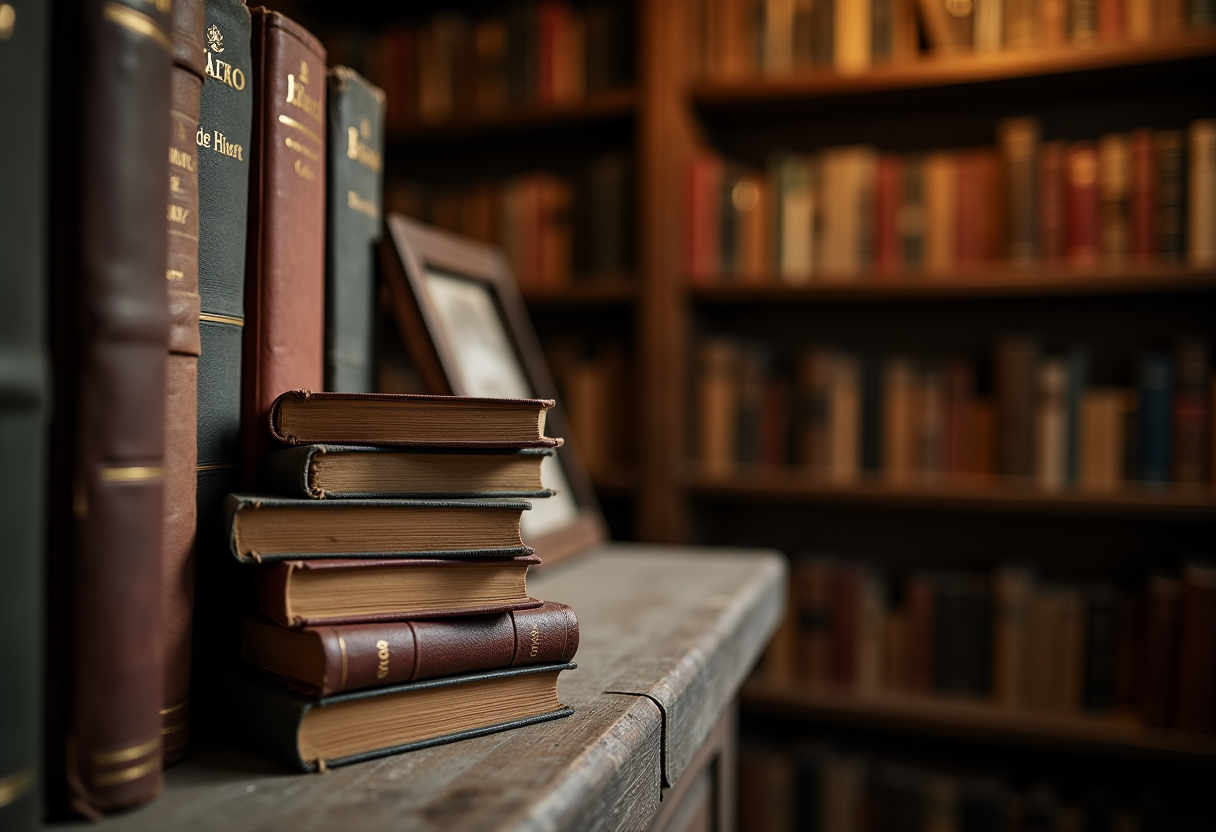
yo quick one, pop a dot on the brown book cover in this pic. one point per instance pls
(1159, 668)
(1196, 703)
(1015, 370)
(285, 272)
(322, 661)
(110, 328)
(306, 593)
(1143, 196)
(1083, 204)
(1115, 187)
(811, 591)
(181, 383)
(1053, 225)
(920, 632)
(301, 417)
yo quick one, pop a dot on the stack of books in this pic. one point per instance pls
(389, 577)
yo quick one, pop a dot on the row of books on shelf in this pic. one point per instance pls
(737, 39)
(1040, 418)
(1008, 638)
(257, 281)
(833, 786)
(1140, 197)
(594, 382)
(461, 66)
(555, 229)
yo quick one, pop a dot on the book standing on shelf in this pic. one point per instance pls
(181, 404)
(110, 327)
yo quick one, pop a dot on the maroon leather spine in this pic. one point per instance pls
(1144, 196)
(1083, 204)
(181, 382)
(359, 656)
(110, 331)
(285, 266)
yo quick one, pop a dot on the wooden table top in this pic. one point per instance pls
(668, 634)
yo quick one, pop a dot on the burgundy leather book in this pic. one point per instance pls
(285, 267)
(181, 393)
(1082, 200)
(322, 661)
(309, 593)
(110, 328)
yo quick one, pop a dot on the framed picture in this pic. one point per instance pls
(468, 333)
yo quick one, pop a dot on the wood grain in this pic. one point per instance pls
(653, 621)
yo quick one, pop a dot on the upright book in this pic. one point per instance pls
(24, 403)
(110, 328)
(181, 402)
(356, 159)
(285, 271)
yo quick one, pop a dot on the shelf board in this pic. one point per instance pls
(956, 71)
(991, 282)
(601, 106)
(589, 292)
(975, 720)
(956, 493)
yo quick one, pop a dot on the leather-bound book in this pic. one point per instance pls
(1082, 199)
(1159, 654)
(1019, 141)
(110, 328)
(181, 382)
(1196, 704)
(285, 266)
(319, 734)
(356, 159)
(24, 405)
(323, 661)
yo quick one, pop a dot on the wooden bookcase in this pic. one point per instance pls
(661, 496)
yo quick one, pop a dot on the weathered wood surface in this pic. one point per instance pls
(678, 624)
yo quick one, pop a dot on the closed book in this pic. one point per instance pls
(285, 266)
(717, 404)
(1155, 380)
(1115, 190)
(1100, 651)
(25, 70)
(1082, 21)
(1159, 654)
(851, 50)
(962, 635)
(310, 734)
(989, 25)
(1015, 389)
(1053, 209)
(328, 591)
(355, 169)
(181, 382)
(110, 328)
(1102, 437)
(972, 203)
(263, 528)
(1019, 143)
(812, 607)
(704, 210)
(888, 208)
(1011, 591)
(1171, 153)
(1143, 205)
(1077, 361)
(1051, 423)
(941, 212)
(1082, 201)
(922, 609)
(354, 471)
(1201, 181)
(899, 419)
(326, 660)
(301, 417)
(1196, 703)
(1191, 417)
(912, 214)
(930, 419)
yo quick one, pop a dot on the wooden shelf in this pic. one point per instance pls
(591, 292)
(954, 494)
(956, 71)
(603, 106)
(993, 282)
(976, 720)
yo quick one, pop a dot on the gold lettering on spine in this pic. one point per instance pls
(534, 635)
(358, 150)
(382, 656)
(297, 94)
(225, 73)
(178, 215)
(363, 206)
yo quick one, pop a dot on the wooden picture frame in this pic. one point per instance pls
(428, 272)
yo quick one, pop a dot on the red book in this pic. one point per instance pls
(920, 635)
(970, 207)
(1083, 204)
(1111, 17)
(1143, 196)
(958, 417)
(1052, 185)
(704, 192)
(1196, 703)
(549, 23)
(846, 603)
(888, 202)
(1160, 653)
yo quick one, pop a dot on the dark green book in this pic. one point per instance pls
(356, 159)
(262, 528)
(312, 734)
(355, 471)
(24, 69)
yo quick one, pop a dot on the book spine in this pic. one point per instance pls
(24, 406)
(111, 327)
(1160, 650)
(1015, 366)
(285, 265)
(356, 153)
(1190, 415)
(1196, 703)
(1171, 195)
(814, 611)
(1082, 199)
(1019, 140)
(363, 656)
(1011, 597)
(912, 214)
(1143, 196)
(1115, 185)
(1201, 185)
(1100, 651)
(181, 404)
(1155, 374)
(1053, 221)
(1078, 379)
(1051, 423)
